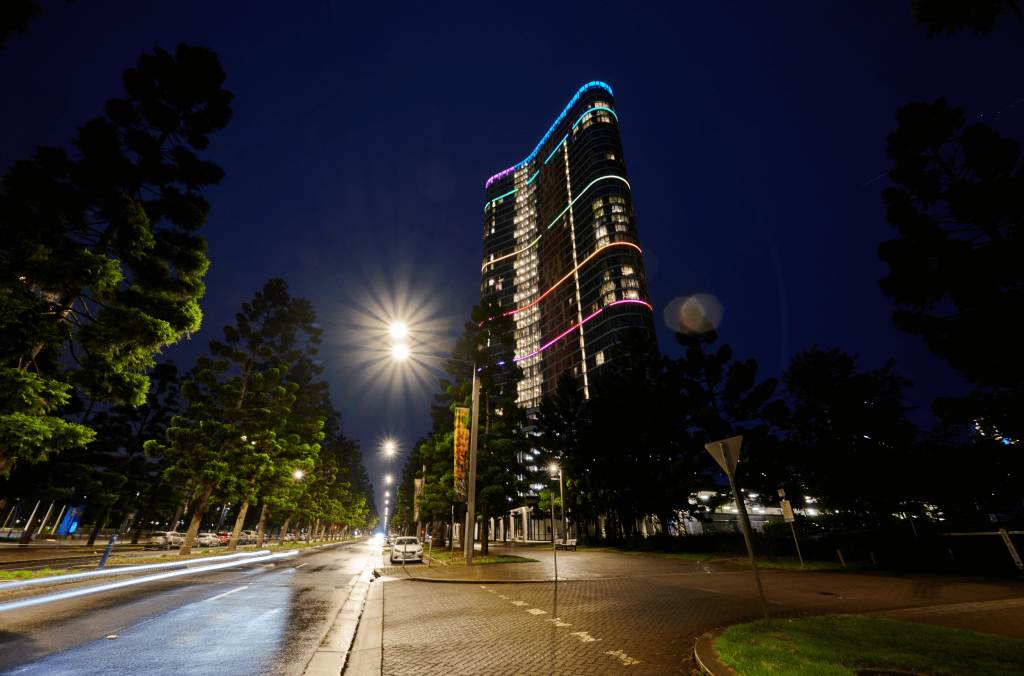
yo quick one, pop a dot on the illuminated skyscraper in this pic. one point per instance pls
(561, 249)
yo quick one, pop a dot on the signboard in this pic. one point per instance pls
(787, 511)
(461, 453)
(417, 492)
(726, 453)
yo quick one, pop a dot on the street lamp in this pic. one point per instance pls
(401, 352)
(561, 498)
(390, 448)
(398, 330)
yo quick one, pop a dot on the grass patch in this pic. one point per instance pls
(28, 574)
(456, 558)
(840, 645)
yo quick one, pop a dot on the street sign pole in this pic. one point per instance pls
(787, 514)
(727, 454)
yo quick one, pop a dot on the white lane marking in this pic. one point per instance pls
(519, 603)
(72, 593)
(227, 592)
(626, 659)
(537, 611)
(301, 565)
(584, 637)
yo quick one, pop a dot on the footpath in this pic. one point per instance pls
(636, 614)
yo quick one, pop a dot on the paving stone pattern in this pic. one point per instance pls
(635, 626)
(641, 615)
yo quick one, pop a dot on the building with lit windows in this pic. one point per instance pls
(561, 249)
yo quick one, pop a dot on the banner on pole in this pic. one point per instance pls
(461, 453)
(787, 511)
(417, 492)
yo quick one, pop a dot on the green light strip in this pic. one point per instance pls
(578, 198)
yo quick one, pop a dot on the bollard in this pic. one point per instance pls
(873, 562)
(841, 559)
(106, 554)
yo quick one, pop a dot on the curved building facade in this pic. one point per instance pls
(561, 249)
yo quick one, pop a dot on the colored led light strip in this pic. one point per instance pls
(590, 85)
(573, 328)
(578, 197)
(618, 302)
(556, 148)
(556, 284)
(535, 175)
(589, 112)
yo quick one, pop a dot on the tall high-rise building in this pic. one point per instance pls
(561, 250)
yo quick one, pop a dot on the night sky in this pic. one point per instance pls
(362, 138)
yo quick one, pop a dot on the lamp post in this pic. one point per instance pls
(401, 352)
(561, 499)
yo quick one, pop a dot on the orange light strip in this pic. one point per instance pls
(569, 274)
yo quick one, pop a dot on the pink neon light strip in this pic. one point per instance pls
(573, 328)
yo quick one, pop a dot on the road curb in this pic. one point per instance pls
(337, 646)
(706, 656)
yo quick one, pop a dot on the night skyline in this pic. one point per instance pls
(756, 144)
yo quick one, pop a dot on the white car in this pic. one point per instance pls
(407, 549)
(165, 540)
(208, 540)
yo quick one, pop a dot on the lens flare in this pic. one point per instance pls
(698, 313)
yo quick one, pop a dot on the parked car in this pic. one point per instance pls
(208, 540)
(407, 548)
(290, 537)
(164, 540)
(248, 537)
(225, 537)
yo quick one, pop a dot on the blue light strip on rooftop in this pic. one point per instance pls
(590, 85)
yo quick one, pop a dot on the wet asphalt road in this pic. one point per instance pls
(248, 620)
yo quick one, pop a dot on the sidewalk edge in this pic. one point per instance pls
(706, 656)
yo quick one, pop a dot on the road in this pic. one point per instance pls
(247, 620)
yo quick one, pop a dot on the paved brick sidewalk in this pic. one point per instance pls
(642, 613)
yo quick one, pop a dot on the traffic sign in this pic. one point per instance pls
(782, 492)
(726, 453)
(787, 511)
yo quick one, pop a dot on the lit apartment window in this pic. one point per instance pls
(599, 358)
(627, 270)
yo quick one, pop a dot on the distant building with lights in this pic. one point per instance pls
(561, 250)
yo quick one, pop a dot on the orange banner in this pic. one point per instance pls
(461, 453)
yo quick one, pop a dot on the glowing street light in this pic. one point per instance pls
(298, 474)
(390, 448)
(401, 352)
(398, 330)
(388, 479)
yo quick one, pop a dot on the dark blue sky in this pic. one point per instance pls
(362, 138)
